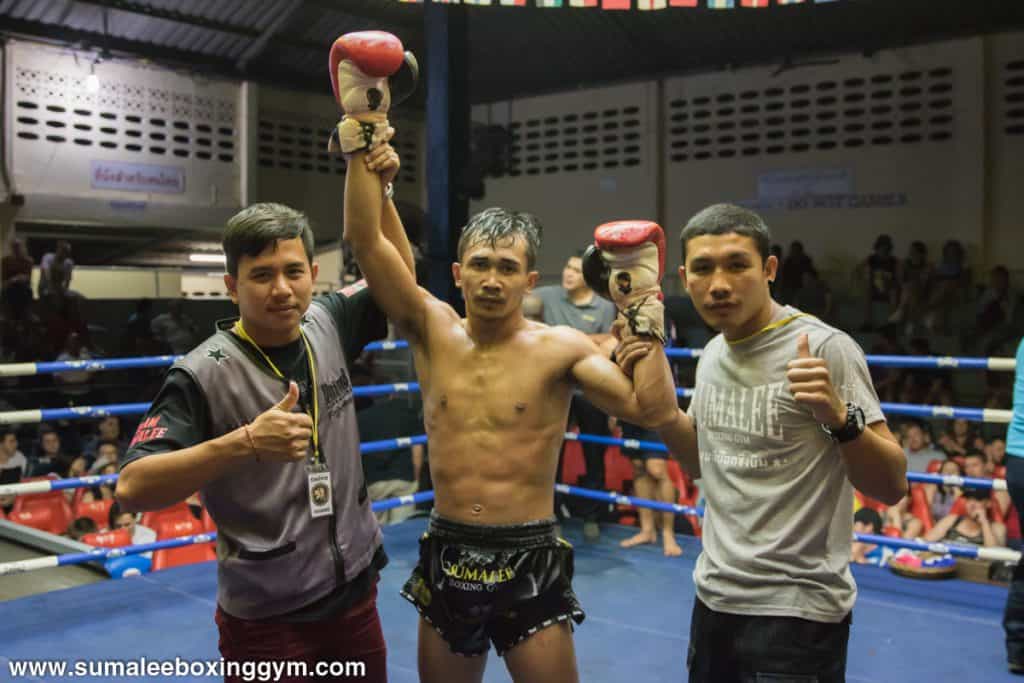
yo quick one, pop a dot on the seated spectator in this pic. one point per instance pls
(76, 382)
(880, 275)
(995, 451)
(900, 517)
(12, 464)
(868, 521)
(81, 526)
(127, 520)
(108, 429)
(174, 329)
(973, 528)
(814, 296)
(958, 439)
(107, 454)
(49, 458)
(918, 448)
(941, 497)
(976, 464)
(916, 275)
(951, 279)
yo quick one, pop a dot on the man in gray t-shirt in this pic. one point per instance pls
(783, 424)
(575, 305)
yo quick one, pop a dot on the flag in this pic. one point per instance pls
(650, 4)
(446, 2)
(476, 2)
(682, 3)
(549, 3)
(721, 4)
(754, 3)
(582, 3)
(789, 2)
(418, 2)
(513, 3)
(616, 4)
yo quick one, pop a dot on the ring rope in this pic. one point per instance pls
(98, 364)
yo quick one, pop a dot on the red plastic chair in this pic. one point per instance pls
(96, 510)
(177, 511)
(934, 466)
(26, 498)
(189, 554)
(108, 539)
(919, 506)
(573, 464)
(618, 469)
(46, 514)
(173, 528)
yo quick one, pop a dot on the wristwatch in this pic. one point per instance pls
(389, 191)
(851, 429)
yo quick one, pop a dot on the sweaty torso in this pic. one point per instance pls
(495, 417)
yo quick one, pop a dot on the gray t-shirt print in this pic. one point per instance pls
(779, 508)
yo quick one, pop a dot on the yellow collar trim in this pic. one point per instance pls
(767, 328)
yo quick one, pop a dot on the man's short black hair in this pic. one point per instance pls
(255, 227)
(869, 516)
(724, 219)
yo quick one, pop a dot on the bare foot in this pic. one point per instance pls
(672, 549)
(640, 539)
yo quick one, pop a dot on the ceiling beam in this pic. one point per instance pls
(146, 10)
(257, 46)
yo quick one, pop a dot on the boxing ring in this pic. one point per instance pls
(638, 602)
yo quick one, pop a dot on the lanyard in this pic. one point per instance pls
(240, 331)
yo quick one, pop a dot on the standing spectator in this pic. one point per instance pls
(651, 481)
(574, 304)
(880, 272)
(12, 464)
(888, 381)
(916, 275)
(393, 473)
(791, 273)
(951, 279)
(17, 285)
(174, 329)
(1013, 618)
(994, 320)
(55, 274)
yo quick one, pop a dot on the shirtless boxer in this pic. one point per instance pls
(496, 390)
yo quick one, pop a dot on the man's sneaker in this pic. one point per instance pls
(591, 531)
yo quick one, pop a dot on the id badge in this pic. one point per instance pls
(320, 500)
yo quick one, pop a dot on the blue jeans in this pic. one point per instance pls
(1013, 618)
(732, 648)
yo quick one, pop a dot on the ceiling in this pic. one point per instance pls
(512, 51)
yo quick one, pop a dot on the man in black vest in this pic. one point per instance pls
(298, 546)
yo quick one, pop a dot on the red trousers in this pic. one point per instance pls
(348, 647)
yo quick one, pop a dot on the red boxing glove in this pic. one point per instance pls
(626, 264)
(364, 67)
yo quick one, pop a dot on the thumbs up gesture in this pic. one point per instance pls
(811, 386)
(279, 434)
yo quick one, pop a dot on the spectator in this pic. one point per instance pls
(574, 304)
(48, 458)
(950, 279)
(918, 448)
(127, 520)
(941, 497)
(791, 273)
(55, 274)
(880, 273)
(927, 386)
(888, 381)
(174, 329)
(107, 453)
(994, 320)
(995, 451)
(75, 383)
(868, 521)
(12, 464)
(651, 481)
(974, 528)
(17, 284)
(393, 473)
(916, 274)
(109, 429)
(958, 439)
(80, 527)
(814, 296)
